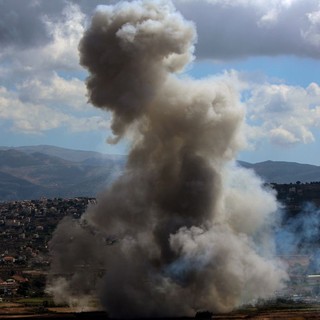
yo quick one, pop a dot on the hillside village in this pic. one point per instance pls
(296, 195)
(26, 228)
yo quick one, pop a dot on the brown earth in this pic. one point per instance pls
(17, 311)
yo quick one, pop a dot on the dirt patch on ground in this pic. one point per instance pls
(273, 315)
(9, 308)
(17, 311)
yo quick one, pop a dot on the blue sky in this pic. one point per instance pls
(269, 51)
(289, 70)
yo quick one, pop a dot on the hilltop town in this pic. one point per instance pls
(26, 228)
(296, 195)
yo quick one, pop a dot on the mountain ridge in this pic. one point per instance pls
(28, 174)
(50, 171)
(64, 153)
(285, 172)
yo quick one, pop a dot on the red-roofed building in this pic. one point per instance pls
(9, 259)
(19, 279)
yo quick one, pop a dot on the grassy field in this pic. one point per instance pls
(36, 302)
(273, 310)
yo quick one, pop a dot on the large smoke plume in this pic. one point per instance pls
(189, 229)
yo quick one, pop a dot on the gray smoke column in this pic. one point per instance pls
(189, 229)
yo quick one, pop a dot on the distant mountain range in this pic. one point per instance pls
(48, 171)
(45, 171)
(284, 172)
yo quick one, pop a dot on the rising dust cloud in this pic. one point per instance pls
(183, 229)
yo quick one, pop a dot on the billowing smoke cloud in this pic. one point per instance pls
(300, 234)
(183, 229)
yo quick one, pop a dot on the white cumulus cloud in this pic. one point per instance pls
(42, 82)
(285, 114)
(61, 52)
(245, 28)
(55, 91)
(35, 118)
